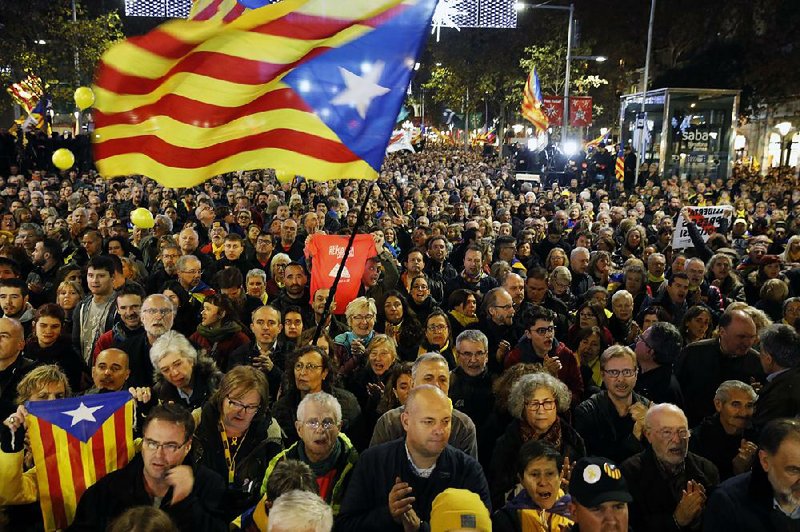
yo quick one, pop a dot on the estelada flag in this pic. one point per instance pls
(75, 442)
(532, 103)
(307, 87)
(326, 252)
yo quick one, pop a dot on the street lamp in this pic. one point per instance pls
(784, 128)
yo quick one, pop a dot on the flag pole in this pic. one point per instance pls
(359, 221)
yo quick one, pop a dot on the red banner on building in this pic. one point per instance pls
(324, 253)
(553, 107)
(580, 111)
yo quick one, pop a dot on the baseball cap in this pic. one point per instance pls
(459, 509)
(596, 480)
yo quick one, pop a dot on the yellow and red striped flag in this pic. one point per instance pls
(225, 10)
(27, 92)
(75, 442)
(619, 167)
(532, 103)
(307, 87)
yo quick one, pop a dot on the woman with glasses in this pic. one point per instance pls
(311, 369)
(181, 375)
(220, 331)
(350, 348)
(541, 505)
(421, 301)
(590, 314)
(277, 267)
(535, 403)
(369, 382)
(237, 436)
(437, 337)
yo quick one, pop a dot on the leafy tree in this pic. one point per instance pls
(28, 23)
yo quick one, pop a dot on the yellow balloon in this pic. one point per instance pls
(142, 218)
(63, 159)
(84, 97)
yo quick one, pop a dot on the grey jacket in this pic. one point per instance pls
(462, 433)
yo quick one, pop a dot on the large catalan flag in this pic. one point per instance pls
(27, 92)
(76, 442)
(532, 103)
(308, 87)
(225, 10)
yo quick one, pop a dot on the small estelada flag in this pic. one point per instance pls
(75, 442)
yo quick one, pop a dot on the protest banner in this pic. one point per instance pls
(708, 221)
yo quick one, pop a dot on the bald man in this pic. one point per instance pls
(110, 371)
(13, 366)
(394, 484)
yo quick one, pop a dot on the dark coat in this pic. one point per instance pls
(256, 449)
(701, 368)
(596, 419)
(780, 397)
(63, 353)
(365, 506)
(653, 500)
(244, 355)
(9, 378)
(205, 381)
(221, 350)
(502, 472)
(710, 441)
(744, 503)
(201, 511)
(285, 412)
(569, 374)
(660, 386)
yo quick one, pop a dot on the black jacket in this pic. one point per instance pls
(255, 450)
(285, 412)
(596, 419)
(365, 506)
(124, 489)
(205, 381)
(502, 472)
(660, 386)
(702, 367)
(780, 397)
(654, 501)
(244, 355)
(63, 353)
(710, 441)
(9, 378)
(744, 503)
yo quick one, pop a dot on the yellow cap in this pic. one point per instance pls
(458, 509)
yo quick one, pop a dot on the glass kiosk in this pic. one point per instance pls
(688, 132)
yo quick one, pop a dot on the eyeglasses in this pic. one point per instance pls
(548, 404)
(308, 367)
(471, 355)
(154, 311)
(325, 424)
(541, 331)
(614, 373)
(669, 434)
(437, 327)
(192, 272)
(363, 317)
(505, 307)
(241, 406)
(169, 447)
(641, 338)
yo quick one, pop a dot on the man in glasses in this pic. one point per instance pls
(496, 320)
(157, 315)
(191, 496)
(322, 446)
(610, 420)
(668, 483)
(540, 346)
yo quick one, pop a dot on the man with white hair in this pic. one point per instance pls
(579, 268)
(668, 483)
(300, 511)
(157, 315)
(322, 446)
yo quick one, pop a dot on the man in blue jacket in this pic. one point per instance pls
(394, 484)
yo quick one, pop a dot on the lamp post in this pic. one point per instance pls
(642, 142)
(519, 6)
(784, 128)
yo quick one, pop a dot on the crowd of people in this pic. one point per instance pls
(518, 357)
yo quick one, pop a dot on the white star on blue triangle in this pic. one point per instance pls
(83, 416)
(357, 89)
